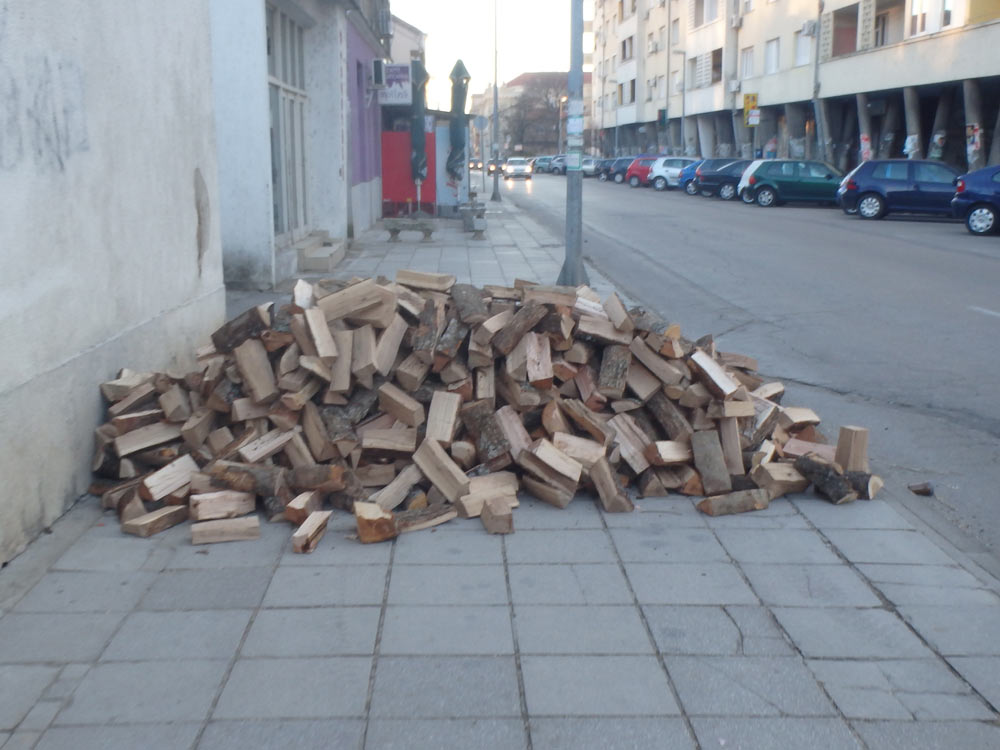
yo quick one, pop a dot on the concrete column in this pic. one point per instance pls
(890, 124)
(973, 125)
(690, 128)
(826, 147)
(995, 147)
(913, 147)
(767, 132)
(725, 141)
(848, 132)
(744, 136)
(795, 119)
(864, 128)
(939, 132)
(706, 135)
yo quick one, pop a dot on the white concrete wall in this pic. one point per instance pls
(242, 123)
(110, 243)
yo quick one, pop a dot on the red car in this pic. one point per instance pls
(638, 171)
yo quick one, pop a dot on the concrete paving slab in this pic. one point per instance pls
(155, 736)
(446, 549)
(610, 734)
(314, 631)
(334, 549)
(314, 586)
(123, 692)
(780, 514)
(569, 546)
(581, 513)
(876, 514)
(445, 734)
(965, 630)
(274, 538)
(310, 688)
(208, 634)
(96, 550)
(592, 583)
(810, 585)
(902, 595)
(983, 673)
(777, 546)
(580, 630)
(849, 633)
(285, 734)
(770, 733)
(689, 583)
(113, 591)
(221, 588)
(887, 546)
(68, 681)
(927, 735)
(596, 686)
(40, 716)
(715, 631)
(26, 638)
(747, 686)
(949, 576)
(657, 544)
(445, 687)
(20, 687)
(671, 512)
(459, 630)
(442, 584)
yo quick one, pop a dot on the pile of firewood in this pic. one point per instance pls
(412, 402)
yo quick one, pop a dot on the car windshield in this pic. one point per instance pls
(517, 162)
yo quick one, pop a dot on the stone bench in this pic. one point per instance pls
(395, 226)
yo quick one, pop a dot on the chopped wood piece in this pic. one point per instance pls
(363, 355)
(417, 520)
(402, 406)
(731, 409)
(553, 419)
(131, 421)
(539, 361)
(393, 494)
(411, 372)
(729, 435)
(130, 506)
(695, 395)
(449, 343)
(326, 347)
(612, 496)
(171, 478)
(827, 477)
(254, 367)
(550, 295)
(226, 530)
(350, 300)
(925, 489)
(795, 448)
(600, 330)
(670, 417)
(657, 365)
(438, 282)
(484, 333)
(265, 446)
(560, 497)
(207, 506)
(374, 523)
(865, 484)
(157, 521)
(852, 449)
(618, 315)
(496, 516)
(375, 475)
(668, 453)
(588, 421)
(247, 325)
(175, 404)
(492, 445)
(715, 378)
(632, 441)
(125, 383)
(779, 479)
(307, 536)
(389, 441)
(641, 381)
(523, 321)
(198, 427)
(471, 505)
(388, 344)
(464, 453)
(587, 385)
(710, 462)
(764, 453)
(453, 372)
(298, 510)
(513, 430)
(729, 359)
(442, 418)
(735, 502)
(138, 396)
(614, 371)
(469, 303)
(769, 391)
(579, 354)
(442, 472)
(479, 355)
(794, 417)
(486, 384)
(323, 478)
(584, 451)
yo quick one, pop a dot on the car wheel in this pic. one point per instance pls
(603, 177)
(727, 191)
(766, 197)
(981, 219)
(871, 206)
(633, 181)
(747, 196)
(619, 178)
(706, 193)
(660, 183)
(690, 188)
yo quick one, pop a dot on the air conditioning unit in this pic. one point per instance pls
(734, 86)
(378, 73)
(736, 20)
(809, 28)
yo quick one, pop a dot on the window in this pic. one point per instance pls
(650, 43)
(662, 37)
(621, 94)
(814, 169)
(675, 31)
(746, 62)
(614, 63)
(628, 50)
(676, 87)
(288, 103)
(705, 11)
(699, 13)
(918, 17)
(631, 91)
(891, 170)
(716, 65)
(747, 6)
(771, 53)
(781, 169)
(946, 13)
(845, 30)
(711, 10)
(881, 29)
(803, 48)
(924, 172)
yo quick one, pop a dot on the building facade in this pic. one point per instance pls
(837, 80)
(298, 131)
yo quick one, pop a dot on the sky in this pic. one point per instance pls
(532, 35)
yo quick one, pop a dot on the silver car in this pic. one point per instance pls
(666, 170)
(516, 166)
(588, 166)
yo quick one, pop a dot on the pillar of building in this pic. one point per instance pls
(994, 157)
(939, 131)
(706, 135)
(690, 136)
(795, 117)
(744, 136)
(913, 146)
(725, 145)
(825, 137)
(767, 132)
(890, 124)
(846, 151)
(973, 125)
(865, 151)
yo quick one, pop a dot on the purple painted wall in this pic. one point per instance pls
(365, 138)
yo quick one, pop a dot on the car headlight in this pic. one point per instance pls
(529, 167)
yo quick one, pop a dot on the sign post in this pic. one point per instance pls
(573, 273)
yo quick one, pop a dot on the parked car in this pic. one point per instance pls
(882, 186)
(475, 163)
(516, 166)
(604, 169)
(977, 200)
(558, 164)
(619, 167)
(721, 181)
(541, 164)
(637, 173)
(588, 166)
(685, 178)
(778, 181)
(665, 172)
(689, 174)
(743, 186)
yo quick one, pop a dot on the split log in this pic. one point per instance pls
(827, 477)
(735, 502)
(657, 365)
(207, 506)
(255, 369)
(613, 498)
(442, 472)
(865, 484)
(729, 434)
(249, 324)
(492, 445)
(156, 521)
(302, 505)
(538, 361)
(469, 304)
(171, 478)
(614, 371)
(632, 441)
(442, 418)
(307, 536)
(393, 494)
(523, 321)
(668, 453)
(513, 430)
(710, 462)
(449, 343)
(670, 417)
(602, 331)
(437, 282)
(496, 516)
(715, 378)
(852, 449)
(484, 333)
(434, 514)
(779, 479)
(402, 406)
(618, 315)
(326, 347)
(226, 530)
(464, 453)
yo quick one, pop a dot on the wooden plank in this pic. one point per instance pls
(255, 368)
(226, 530)
(735, 502)
(442, 472)
(852, 449)
(711, 463)
(603, 331)
(513, 430)
(244, 409)
(496, 516)
(442, 418)
(539, 361)
(402, 406)
(613, 498)
(618, 315)
(438, 282)
(656, 364)
(729, 435)
(715, 378)
(613, 376)
(206, 506)
(156, 521)
(668, 453)
(388, 345)
(307, 536)
(523, 321)
(146, 437)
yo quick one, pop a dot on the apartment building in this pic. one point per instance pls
(833, 79)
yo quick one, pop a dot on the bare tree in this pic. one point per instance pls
(532, 121)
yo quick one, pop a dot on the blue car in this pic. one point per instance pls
(977, 200)
(882, 186)
(685, 180)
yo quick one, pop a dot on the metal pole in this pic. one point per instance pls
(496, 105)
(684, 97)
(559, 140)
(819, 110)
(573, 273)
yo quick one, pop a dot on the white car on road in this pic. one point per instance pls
(742, 188)
(666, 170)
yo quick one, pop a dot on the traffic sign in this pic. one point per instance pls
(753, 118)
(481, 122)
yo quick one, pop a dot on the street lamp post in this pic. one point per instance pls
(496, 106)
(684, 95)
(573, 273)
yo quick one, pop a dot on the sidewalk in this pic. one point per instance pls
(805, 625)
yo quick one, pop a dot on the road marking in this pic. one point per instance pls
(984, 311)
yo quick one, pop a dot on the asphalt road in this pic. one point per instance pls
(893, 324)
